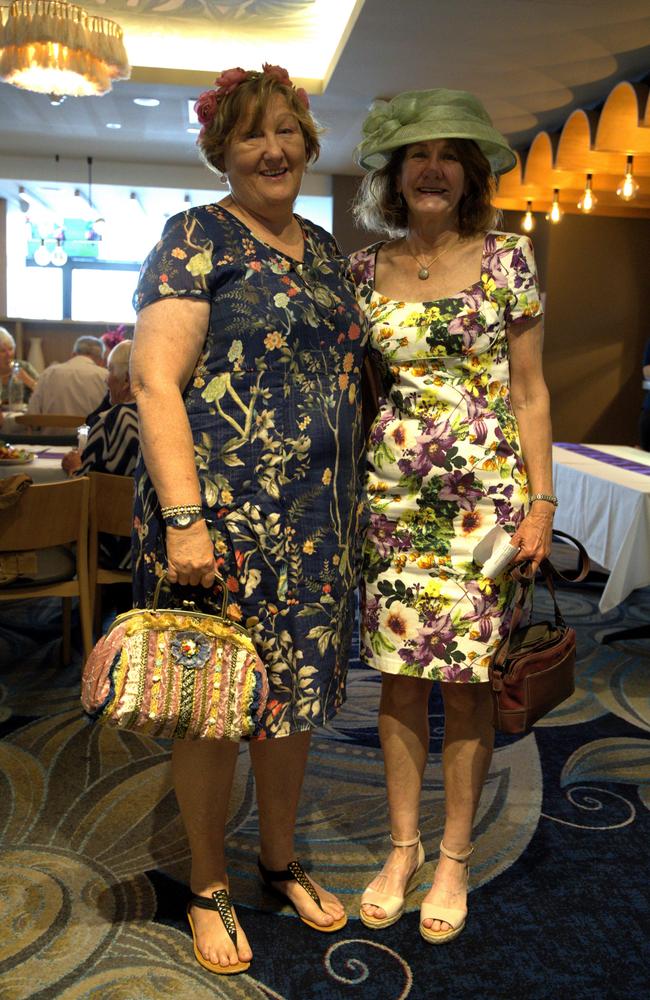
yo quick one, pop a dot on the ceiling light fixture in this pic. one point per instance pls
(556, 212)
(528, 220)
(59, 256)
(133, 198)
(589, 200)
(146, 102)
(628, 187)
(53, 47)
(81, 201)
(99, 227)
(42, 255)
(113, 125)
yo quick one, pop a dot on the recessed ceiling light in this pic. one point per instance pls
(113, 125)
(193, 131)
(146, 102)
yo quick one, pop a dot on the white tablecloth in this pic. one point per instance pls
(46, 466)
(608, 510)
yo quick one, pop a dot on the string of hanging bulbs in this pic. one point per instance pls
(627, 190)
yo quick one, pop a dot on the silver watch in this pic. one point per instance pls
(183, 519)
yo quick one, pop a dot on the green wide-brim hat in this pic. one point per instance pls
(421, 115)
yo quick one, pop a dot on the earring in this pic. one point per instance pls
(223, 178)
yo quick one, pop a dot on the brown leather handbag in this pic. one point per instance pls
(533, 669)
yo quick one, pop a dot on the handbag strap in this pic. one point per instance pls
(525, 578)
(191, 605)
(584, 563)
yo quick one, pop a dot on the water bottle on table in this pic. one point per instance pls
(16, 389)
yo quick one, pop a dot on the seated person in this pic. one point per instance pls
(76, 386)
(112, 445)
(110, 339)
(28, 374)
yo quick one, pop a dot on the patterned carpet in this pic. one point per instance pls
(94, 862)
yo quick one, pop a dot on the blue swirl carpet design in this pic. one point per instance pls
(94, 863)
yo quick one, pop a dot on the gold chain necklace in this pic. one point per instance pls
(423, 273)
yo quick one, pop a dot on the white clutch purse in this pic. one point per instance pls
(494, 553)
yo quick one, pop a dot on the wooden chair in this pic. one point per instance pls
(48, 515)
(111, 511)
(38, 420)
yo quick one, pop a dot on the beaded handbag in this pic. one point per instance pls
(176, 673)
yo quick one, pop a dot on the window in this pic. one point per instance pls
(102, 294)
(38, 294)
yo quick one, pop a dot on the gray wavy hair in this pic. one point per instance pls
(6, 340)
(91, 347)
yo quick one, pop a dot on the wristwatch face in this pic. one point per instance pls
(181, 520)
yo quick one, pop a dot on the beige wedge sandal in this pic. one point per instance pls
(393, 906)
(452, 915)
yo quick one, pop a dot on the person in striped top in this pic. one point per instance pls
(112, 445)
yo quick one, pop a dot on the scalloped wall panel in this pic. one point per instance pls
(595, 142)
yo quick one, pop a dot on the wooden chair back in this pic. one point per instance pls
(38, 420)
(111, 511)
(46, 515)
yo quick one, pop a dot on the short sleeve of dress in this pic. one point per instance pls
(524, 300)
(180, 265)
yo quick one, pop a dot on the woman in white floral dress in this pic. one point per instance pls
(461, 443)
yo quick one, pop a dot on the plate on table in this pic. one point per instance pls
(15, 456)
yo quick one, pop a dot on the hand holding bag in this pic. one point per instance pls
(533, 668)
(176, 673)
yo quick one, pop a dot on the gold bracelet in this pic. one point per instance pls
(187, 508)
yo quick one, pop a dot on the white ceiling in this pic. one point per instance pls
(530, 61)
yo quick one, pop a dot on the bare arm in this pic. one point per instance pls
(27, 379)
(168, 338)
(531, 405)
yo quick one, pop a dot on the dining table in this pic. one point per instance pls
(41, 462)
(604, 502)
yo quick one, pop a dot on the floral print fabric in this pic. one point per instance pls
(445, 466)
(274, 409)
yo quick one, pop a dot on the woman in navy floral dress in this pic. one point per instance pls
(461, 445)
(247, 359)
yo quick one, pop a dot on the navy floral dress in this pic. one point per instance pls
(274, 409)
(445, 466)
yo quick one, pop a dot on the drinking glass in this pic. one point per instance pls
(82, 436)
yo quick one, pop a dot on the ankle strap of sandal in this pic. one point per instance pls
(465, 856)
(405, 843)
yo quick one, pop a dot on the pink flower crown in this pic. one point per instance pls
(208, 102)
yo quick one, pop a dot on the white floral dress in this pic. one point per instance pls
(445, 466)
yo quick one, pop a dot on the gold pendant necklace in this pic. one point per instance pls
(423, 273)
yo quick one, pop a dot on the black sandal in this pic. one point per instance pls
(221, 904)
(294, 872)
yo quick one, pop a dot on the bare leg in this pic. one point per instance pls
(202, 772)
(279, 765)
(467, 751)
(404, 734)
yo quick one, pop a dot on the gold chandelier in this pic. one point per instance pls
(54, 47)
